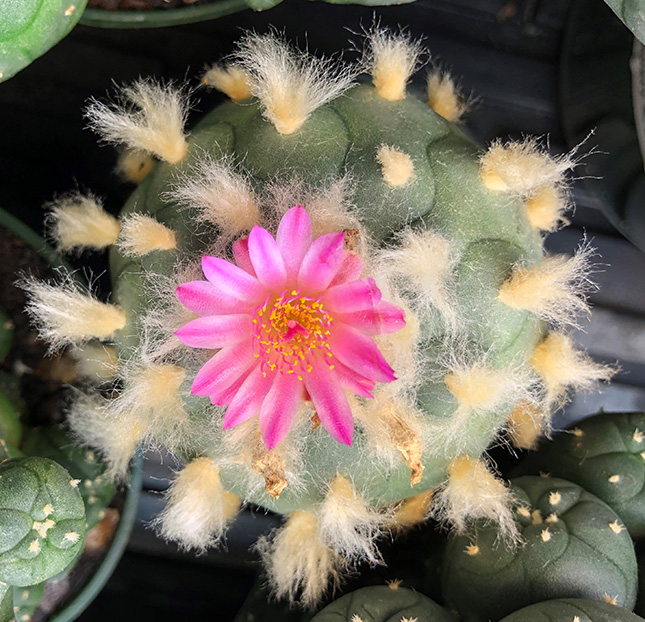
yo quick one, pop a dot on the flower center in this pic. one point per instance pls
(288, 330)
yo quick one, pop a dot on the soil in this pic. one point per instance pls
(43, 385)
(143, 5)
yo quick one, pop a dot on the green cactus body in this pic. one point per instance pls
(604, 454)
(30, 27)
(82, 464)
(490, 232)
(631, 14)
(6, 603)
(575, 547)
(566, 609)
(42, 520)
(383, 604)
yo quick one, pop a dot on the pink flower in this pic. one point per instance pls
(292, 321)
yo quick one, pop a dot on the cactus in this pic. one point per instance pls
(631, 14)
(349, 228)
(604, 454)
(82, 464)
(25, 601)
(567, 609)
(383, 604)
(42, 521)
(29, 28)
(575, 547)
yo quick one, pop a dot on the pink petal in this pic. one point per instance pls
(249, 397)
(241, 255)
(350, 269)
(279, 408)
(266, 259)
(232, 280)
(330, 402)
(355, 296)
(294, 239)
(360, 353)
(224, 396)
(215, 331)
(350, 380)
(321, 262)
(204, 298)
(223, 369)
(383, 319)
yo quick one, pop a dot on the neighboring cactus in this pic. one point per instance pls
(604, 454)
(449, 237)
(383, 604)
(631, 14)
(42, 522)
(82, 464)
(29, 28)
(572, 609)
(575, 547)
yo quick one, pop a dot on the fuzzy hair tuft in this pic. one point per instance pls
(391, 58)
(148, 116)
(76, 222)
(141, 234)
(133, 165)
(97, 362)
(444, 97)
(64, 313)
(290, 84)
(473, 493)
(555, 290)
(231, 80)
(299, 566)
(198, 507)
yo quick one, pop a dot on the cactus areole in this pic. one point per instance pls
(326, 300)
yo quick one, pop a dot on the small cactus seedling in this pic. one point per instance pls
(42, 520)
(28, 28)
(572, 609)
(575, 547)
(604, 454)
(383, 604)
(376, 306)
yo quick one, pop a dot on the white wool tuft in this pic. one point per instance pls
(141, 234)
(298, 565)
(96, 361)
(444, 97)
(77, 221)
(555, 290)
(149, 116)
(134, 165)
(423, 266)
(397, 167)
(562, 367)
(473, 493)
(198, 507)
(547, 206)
(94, 423)
(348, 525)
(522, 166)
(391, 58)
(66, 314)
(231, 80)
(222, 195)
(290, 84)
(151, 396)
(526, 424)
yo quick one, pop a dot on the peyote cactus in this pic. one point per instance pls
(575, 547)
(567, 609)
(28, 28)
(382, 603)
(605, 455)
(376, 289)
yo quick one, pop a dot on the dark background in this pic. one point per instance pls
(555, 68)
